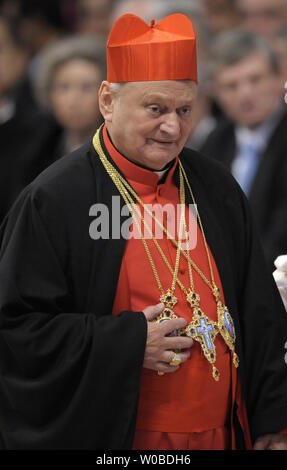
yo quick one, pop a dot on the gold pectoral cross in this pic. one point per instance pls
(204, 330)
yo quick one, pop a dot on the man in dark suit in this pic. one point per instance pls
(252, 141)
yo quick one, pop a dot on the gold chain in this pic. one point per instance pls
(118, 181)
(197, 269)
(214, 288)
(111, 170)
(184, 252)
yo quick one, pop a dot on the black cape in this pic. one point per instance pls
(69, 370)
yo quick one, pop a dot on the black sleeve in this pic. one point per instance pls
(68, 379)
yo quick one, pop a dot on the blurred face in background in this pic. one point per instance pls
(94, 16)
(74, 95)
(13, 60)
(263, 17)
(248, 91)
(221, 15)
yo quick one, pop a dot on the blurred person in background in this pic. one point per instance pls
(263, 17)
(24, 129)
(221, 15)
(252, 141)
(9, 8)
(66, 84)
(93, 16)
(41, 23)
(206, 112)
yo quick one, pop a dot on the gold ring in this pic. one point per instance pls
(160, 373)
(176, 360)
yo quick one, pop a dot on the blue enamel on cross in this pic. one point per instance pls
(204, 330)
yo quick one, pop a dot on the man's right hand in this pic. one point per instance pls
(160, 347)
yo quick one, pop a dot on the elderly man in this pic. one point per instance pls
(115, 334)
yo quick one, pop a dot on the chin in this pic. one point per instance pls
(159, 163)
(252, 123)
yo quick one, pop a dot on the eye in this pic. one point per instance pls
(154, 109)
(185, 111)
(61, 87)
(254, 79)
(229, 87)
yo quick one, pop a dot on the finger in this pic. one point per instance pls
(177, 342)
(278, 442)
(164, 365)
(262, 442)
(166, 368)
(169, 355)
(153, 311)
(171, 325)
(277, 446)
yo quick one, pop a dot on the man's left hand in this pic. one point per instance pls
(271, 442)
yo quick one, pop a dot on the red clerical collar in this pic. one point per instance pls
(131, 170)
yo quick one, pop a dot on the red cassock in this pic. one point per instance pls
(186, 409)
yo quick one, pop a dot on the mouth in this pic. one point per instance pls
(164, 143)
(248, 107)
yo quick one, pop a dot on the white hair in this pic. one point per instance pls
(116, 87)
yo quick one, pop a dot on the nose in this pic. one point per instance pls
(170, 125)
(246, 89)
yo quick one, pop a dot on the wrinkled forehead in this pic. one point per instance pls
(159, 89)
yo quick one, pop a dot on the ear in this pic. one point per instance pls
(106, 101)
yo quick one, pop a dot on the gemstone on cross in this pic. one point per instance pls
(204, 330)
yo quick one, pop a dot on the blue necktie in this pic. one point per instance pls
(245, 166)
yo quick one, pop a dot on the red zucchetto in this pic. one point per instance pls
(165, 51)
